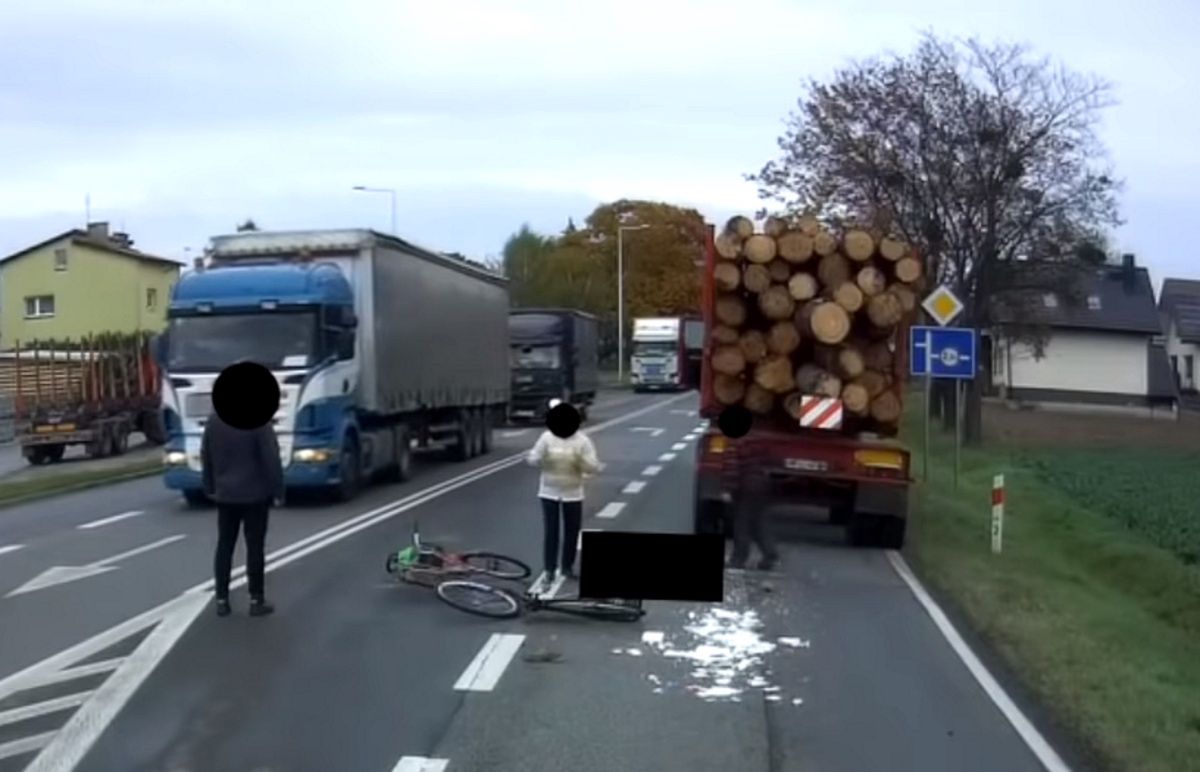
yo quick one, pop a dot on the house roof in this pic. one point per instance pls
(1126, 304)
(1180, 302)
(81, 237)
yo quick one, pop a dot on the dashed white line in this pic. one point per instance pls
(10, 548)
(489, 664)
(667, 457)
(420, 764)
(44, 708)
(611, 509)
(689, 437)
(679, 446)
(633, 487)
(113, 519)
(1024, 727)
(651, 470)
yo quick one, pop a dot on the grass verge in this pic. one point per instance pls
(1101, 624)
(20, 491)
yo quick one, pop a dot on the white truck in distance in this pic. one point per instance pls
(658, 357)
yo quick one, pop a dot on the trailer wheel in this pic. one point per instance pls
(860, 531)
(485, 432)
(460, 449)
(54, 453)
(99, 447)
(37, 455)
(840, 513)
(120, 442)
(476, 433)
(890, 532)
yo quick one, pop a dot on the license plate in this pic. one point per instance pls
(805, 464)
(524, 379)
(198, 405)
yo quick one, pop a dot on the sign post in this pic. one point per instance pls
(942, 352)
(997, 512)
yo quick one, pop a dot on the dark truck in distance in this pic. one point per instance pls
(553, 354)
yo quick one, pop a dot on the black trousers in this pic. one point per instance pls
(751, 525)
(251, 519)
(572, 516)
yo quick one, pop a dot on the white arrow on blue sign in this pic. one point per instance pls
(943, 352)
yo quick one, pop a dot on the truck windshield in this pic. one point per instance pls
(534, 357)
(654, 349)
(207, 343)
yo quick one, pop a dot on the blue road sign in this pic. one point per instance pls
(943, 352)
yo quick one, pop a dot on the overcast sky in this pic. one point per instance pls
(183, 118)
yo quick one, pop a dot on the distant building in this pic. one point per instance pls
(1179, 307)
(1107, 353)
(80, 282)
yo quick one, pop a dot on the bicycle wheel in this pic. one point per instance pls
(597, 609)
(479, 599)
(499, 566)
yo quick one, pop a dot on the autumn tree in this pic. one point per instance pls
(983, 155)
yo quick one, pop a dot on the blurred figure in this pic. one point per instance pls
(751, 525)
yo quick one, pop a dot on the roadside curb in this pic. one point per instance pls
(118, 475)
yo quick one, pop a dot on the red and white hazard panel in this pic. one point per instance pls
(821, 412)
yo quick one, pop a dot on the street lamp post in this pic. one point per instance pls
(621, 298)
(390, 192)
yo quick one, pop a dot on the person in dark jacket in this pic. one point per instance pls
(243, 474)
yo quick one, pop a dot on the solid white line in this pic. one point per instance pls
(10, 548)
(139, 550)
(1025, 728)
(79, 671)
(652, 470)
(107, 520)
(611, 509)
(483, 673)
(667, 457)
(633, 487)
(514, 433)
(679, 446)
(78, 735)
(420, 764)
(25, 744)
(44, 708)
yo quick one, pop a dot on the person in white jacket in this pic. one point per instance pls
(567, 458)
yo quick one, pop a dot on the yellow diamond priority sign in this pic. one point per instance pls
(942, 305)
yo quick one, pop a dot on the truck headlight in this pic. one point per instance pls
(311, 455)
(175, 458)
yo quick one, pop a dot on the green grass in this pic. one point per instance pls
(1089, 601)
(52, 484)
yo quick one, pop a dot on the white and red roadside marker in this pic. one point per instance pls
(820, 412)
(997, 512)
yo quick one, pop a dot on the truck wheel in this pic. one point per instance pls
(890, 532)
(860, 531)
(100, 447)
(351, 470)
(400, 469)
(152, 427)
(840, 514)
(485, 432)
(196, 499)
(54, 453)
(120, 442)
(460, 450)
(37, 456)
(476, 434)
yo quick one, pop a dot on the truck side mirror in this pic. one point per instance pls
(345, 345)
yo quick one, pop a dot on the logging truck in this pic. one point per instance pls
(663, 347)
(553, 355)
(806, 328)
(381, 347)
(95, 392)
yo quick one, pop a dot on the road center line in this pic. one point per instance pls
(667, 457)
(113, 519)
(634, 487)
(651, 470)
(610, 510)
(420, 764)
(10, 548)
(1024, 727)
(689, 437)
(483, 672)
(678, 446)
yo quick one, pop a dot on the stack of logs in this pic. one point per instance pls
(802, 310)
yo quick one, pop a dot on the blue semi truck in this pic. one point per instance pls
(380, 347)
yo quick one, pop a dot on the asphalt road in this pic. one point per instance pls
(829, 663)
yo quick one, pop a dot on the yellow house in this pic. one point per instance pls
(81, 282)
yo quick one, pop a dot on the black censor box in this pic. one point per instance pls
(624, 565)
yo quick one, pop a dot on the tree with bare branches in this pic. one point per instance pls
(983, 155)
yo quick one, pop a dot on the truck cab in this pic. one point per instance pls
(658, 360)
(295, 318)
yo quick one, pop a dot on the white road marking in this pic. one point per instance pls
(10, 548)
(56, 575)
(683, 412)
(651, 470)
(113, 519)
(654, 637)
(509, 435)
(611, 509)
(1024, 727)
(483, 673)
(689, 437)
(633, 487)
(79, 671)
(44, 708)
(667, 457)
(25, 745)
(30, 676)
(653, 430)
(679, 446)
(420, 764)
(554, 588)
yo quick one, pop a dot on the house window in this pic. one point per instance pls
(60, 259)
(151, 298)
(39, 307)
(1050, 300)
(1188, 373)
(1093, 302)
